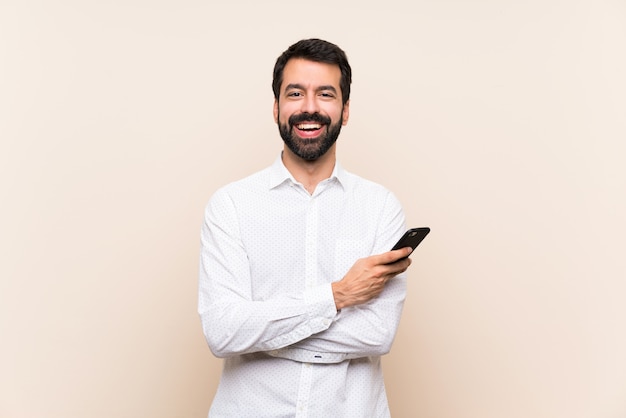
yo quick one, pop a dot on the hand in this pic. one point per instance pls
(368, 276)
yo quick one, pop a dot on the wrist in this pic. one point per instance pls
(339, 296)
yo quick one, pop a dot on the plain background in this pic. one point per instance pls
(499, 124)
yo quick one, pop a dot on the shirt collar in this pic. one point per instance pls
(279, 174)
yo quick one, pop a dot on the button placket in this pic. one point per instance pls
(310, 269)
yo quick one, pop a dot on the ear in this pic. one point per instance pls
(276, 110)
(346, 113)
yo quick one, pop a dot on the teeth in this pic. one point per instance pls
(309, 126)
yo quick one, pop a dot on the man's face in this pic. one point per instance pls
(309, 110)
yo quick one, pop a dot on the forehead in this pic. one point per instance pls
(311, 74)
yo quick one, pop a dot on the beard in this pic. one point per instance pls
(310, 149)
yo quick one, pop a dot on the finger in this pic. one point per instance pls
(403, 252)
(400, 266)
(392, 256)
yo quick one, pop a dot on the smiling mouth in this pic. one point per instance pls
(309, 126)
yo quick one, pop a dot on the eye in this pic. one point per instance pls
(327, 95)
(294, 94)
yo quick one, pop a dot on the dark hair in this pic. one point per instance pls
(319, 51)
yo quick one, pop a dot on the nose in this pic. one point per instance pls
(310, 104)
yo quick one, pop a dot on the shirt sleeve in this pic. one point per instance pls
(362, 330)
(233, 323)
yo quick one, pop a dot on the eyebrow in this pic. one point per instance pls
(301, 87)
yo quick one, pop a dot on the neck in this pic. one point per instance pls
(309, 173)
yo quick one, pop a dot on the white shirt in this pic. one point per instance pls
(269, 253)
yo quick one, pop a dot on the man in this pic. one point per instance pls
(298, 291)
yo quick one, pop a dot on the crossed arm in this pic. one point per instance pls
(355, 316)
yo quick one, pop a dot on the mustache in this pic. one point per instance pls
(308, 117)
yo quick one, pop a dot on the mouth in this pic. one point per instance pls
(308, 130)
(307, 127)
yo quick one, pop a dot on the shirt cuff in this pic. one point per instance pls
(320, 320)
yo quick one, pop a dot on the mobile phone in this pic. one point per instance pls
(411, 238)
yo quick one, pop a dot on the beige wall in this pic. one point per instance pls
(499, 124)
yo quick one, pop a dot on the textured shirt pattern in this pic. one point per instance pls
(269, 253)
